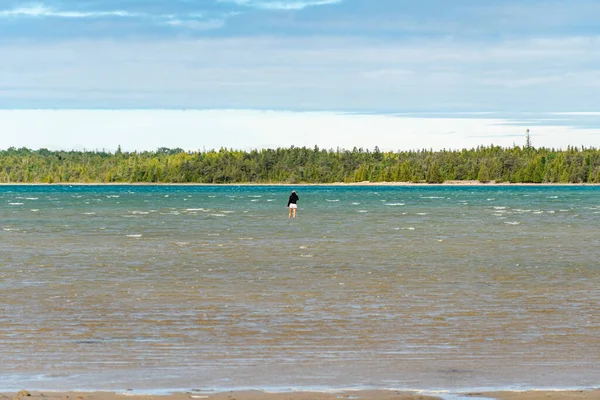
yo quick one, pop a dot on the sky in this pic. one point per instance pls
(398, 74)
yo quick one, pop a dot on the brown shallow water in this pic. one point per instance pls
(426, 288)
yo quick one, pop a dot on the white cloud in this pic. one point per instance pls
(281, 4)
(579, 113)
(196, 24)
(192, 21)
(39, 11)
(249, 129)
(302, 73)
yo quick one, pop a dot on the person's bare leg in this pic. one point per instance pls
(290, 213)
(294, 212)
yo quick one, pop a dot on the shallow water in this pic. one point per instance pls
(154, 287)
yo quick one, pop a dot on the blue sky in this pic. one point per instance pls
(521, 60)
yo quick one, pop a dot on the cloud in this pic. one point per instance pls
(191, 20)
(195, 24)
(281, 4)
(249, 129)
(580, 113)
(40, 11)
(303, 74)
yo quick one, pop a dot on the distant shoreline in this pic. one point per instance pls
(366, 183)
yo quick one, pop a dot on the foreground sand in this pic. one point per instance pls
(257, 395)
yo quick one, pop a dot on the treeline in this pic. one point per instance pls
(302, 165)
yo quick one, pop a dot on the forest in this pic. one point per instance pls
(517, 164)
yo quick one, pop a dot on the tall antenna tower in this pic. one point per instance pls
(527, 139)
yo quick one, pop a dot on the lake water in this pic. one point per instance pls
(213, 287)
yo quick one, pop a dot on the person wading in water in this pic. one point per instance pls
(292, 204)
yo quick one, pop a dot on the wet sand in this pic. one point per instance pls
(341, 395)
(547, 395)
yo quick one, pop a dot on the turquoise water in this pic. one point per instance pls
(212, 287)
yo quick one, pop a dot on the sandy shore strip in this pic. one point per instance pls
(341, 395)
(365, 183)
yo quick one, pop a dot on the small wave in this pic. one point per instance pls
(499, 208)
(134, 236)
(257, 196)
(15, 204)
(306, 255)
(363, 211)
(213, 234)
(422, 214)
(197, 209)
(410, 228)
(166, 195)
(356, 204)
(31, 198)
(395, 204)
(113, 196)
(332, 201)
(553, 197)
(140, 212)
(432, 197)
(34, 210)
(217, 215)
(512, 223)
(254, 200)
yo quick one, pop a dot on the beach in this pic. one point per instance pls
(338, 395)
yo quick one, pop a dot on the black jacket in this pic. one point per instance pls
(293, 199)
